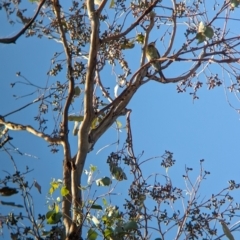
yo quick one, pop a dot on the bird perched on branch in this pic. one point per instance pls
(151, 54)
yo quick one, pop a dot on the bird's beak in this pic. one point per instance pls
(155, 41)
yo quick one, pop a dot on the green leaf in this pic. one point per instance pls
(106, 181)
(234, 3)
(97, 207)
(119, 124)
(113, 212)
(53, 217)
(104, 202)
(37, 186)
(58, 217)
(108, 221)
(94, 123)
(108, 232)
(141, 198)
(51, 190)
(118, 230)
(118, 173)
(200, 37)
(77, 91)
(64, 191)
(56, 208)
(54, 186)
(49, 214)
(46, 233)
(132, 225)
(7, 191)
(209, 32)
(204, 32)
(111, 4)
(152, 14)
(91, 235)
(11, 204)
(127, 45)
(140, 38)
(93, 168)
(227, 231)
(75, 118)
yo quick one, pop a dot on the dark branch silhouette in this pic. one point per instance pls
(15, 38)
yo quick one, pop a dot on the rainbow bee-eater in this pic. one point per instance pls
(151, 54)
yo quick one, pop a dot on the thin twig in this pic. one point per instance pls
(14, 38)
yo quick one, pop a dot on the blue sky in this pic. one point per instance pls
(161, 120)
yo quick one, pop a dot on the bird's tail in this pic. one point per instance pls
(161, 74)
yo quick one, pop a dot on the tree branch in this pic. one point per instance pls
(64, 131)
(147, 11)
(184, 77)
(83, 139)
(119, 104)
(211, 60)
(102, 5)
(28, 104)
(173, 34)
(7, 139)
(14, 39)
(117, 109)
(30, 129)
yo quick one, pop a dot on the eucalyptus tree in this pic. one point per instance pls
(96, 38)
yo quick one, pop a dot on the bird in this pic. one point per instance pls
(151, 54)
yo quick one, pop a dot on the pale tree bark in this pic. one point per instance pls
(73, 163)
